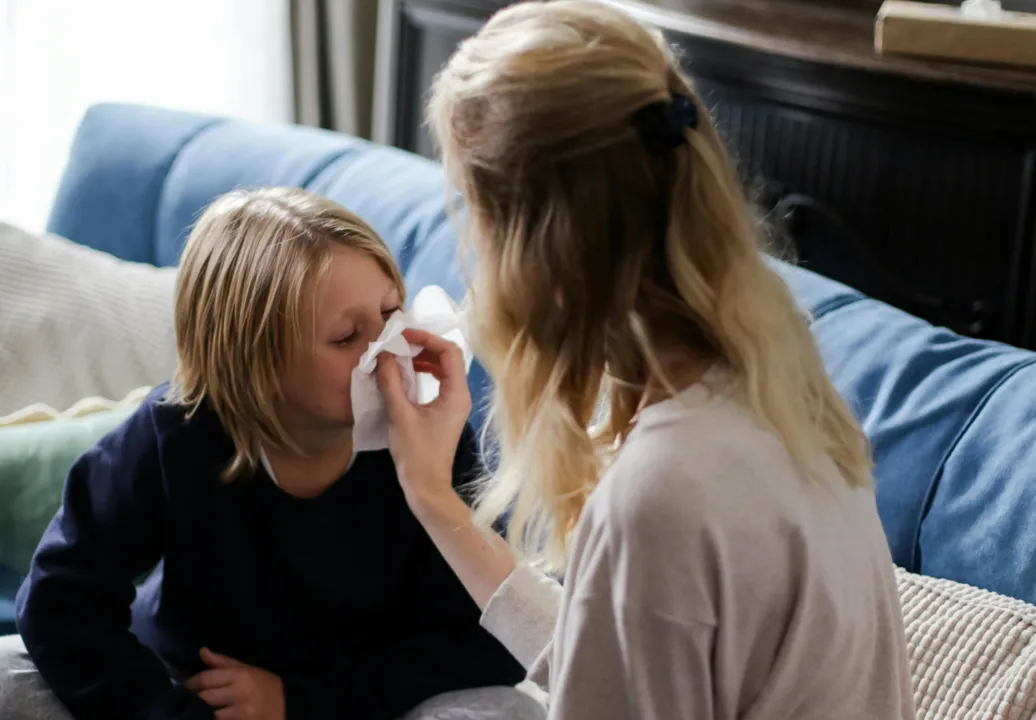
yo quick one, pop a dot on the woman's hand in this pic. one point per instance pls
(237, 691)
(423, 438)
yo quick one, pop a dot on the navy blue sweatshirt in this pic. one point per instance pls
(344, 596)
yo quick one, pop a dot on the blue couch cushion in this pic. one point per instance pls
(225, 156)
(815, 294)
(980, 527)
(915, 388)
(109, 194)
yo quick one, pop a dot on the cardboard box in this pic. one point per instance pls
(943, 31)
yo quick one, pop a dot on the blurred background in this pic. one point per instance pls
(909, 176)
(226, 57)
(60, 56)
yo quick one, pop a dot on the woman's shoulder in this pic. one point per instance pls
(699, 449)
(715, 473)
(719, 486)
(692, 472)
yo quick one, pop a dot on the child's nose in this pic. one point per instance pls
(378, 328)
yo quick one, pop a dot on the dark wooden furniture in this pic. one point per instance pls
(912, 180)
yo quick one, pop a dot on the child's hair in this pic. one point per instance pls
(595, 249)
(240, 305)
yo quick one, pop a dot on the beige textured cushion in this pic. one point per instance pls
(972, 652)
(76, 322)
(39, 412)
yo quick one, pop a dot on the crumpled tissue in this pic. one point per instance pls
(432, 311)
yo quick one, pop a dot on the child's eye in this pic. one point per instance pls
(388, 313)
(347, 339)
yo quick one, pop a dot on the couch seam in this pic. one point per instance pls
(159, 190)
(320, 170)
(440, 222)
(831, 306)
(933, 485)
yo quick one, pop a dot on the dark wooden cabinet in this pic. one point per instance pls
(911, 180)
(414, 40)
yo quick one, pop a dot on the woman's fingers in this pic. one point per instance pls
(391, 383)
(428, 366)
(430, 341)
(220, 697)
(210, 680)
(447, 354)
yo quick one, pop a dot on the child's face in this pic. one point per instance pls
(351, 302)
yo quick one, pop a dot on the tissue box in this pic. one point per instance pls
(943, 31)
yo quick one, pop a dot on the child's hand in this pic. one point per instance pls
(237, 691)
(423, 438)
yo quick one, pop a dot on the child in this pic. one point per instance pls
(289, 579)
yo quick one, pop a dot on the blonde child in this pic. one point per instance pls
(292, 580)
(718, 532)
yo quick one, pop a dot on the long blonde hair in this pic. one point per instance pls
(593, 252)
(240, 304)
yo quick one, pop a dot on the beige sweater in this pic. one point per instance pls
(709, 579)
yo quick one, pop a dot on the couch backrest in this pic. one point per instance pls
(953, 424)
(952, 420)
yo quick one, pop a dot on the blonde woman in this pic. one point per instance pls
(717, 527)
(292, 581)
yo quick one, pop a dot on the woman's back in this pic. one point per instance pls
(781, 587)
(730, 563)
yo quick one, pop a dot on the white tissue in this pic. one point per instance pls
(981, 8)
(432, 311)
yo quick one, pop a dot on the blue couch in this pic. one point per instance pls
(952, 419)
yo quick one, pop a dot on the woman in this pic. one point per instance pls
(716, 525)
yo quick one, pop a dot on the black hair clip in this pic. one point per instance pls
(662, 125)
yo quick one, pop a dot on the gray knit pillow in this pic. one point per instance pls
(76, 322)
(972, 652)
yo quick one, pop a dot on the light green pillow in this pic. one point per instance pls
(34, 460)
